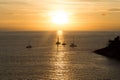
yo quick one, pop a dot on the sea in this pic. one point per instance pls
(48, 61)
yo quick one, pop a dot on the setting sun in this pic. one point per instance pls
(59, 17)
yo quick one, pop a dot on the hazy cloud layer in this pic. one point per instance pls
(94, 0)
(34, 10)
(13, 2)
(115, 9)
(53, 4)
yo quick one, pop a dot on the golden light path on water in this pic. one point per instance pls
(60, 33)
(60, 65)
(60, 60)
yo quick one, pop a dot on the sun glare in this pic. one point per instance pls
(59, 17)
(59, 32)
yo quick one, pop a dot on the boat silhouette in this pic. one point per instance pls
(64, 44)
(112, 50)
(29, 45)
(73, 44)
(58, 42)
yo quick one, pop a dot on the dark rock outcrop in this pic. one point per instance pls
(112, 50)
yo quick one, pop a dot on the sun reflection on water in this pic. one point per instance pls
(59, 60)
(60, 66)
(59, 32)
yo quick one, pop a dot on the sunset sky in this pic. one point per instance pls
(82, 15)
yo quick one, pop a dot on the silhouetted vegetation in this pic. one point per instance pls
(112, 50)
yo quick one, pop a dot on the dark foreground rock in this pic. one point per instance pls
(112, 50)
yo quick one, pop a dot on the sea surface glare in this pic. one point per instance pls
(46, 61)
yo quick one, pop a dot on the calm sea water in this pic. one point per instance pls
(46, 61)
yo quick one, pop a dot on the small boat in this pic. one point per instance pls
(58, 42)
(29, 46)
(64, 44)
(73, 44)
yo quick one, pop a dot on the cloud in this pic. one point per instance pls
(94, 0)
(114, 9)
(12, 2)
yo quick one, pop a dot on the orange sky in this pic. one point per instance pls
(90, 15)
